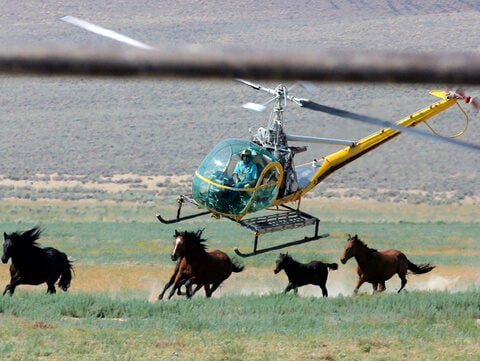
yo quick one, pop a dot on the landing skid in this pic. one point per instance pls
(280, 246)
(278, 222)
(284, 218)
(180, 200)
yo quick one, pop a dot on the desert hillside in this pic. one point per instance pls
(108, 127)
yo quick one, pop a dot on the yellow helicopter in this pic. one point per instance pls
(279, 183)
(275, 183)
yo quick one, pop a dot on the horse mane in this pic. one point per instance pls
(195, 237)
(365, 245)
(28, 237)
(289, 258)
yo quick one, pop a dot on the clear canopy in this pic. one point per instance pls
(214, 188)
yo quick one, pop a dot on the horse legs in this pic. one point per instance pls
(167, 286)
(9, 288)
(208, 291)
(289, 287)
(196, 289)
(403, 278)
(381, 286)
(359, 283)
(14, 282)
(177, 285)
(51, 287)
(211, 289)
(324, 290)
(188, 285)
(189, 293)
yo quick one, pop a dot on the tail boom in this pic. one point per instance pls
(339, 159)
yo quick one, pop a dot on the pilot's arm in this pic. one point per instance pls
(235, 178)
(235, 173)
(250, 178)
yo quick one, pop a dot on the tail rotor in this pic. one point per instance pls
(460, 95)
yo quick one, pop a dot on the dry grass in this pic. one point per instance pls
(147, 281)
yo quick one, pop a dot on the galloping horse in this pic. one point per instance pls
(197, 266)
(301, 274)
(376, 267)
(181, 264)
(32, 264)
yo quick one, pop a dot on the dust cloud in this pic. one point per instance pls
(340, 283)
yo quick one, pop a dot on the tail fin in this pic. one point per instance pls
(421, 268)
(439, 93)
(332, 266)
(66, 276)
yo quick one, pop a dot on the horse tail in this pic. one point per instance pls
(421, 268)
(66, 275)
(236, 267)
(332, 266)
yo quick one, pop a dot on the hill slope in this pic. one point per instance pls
(117, 126)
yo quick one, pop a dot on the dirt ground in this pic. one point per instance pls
(149, 280)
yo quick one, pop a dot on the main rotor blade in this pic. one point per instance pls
(255, 106)
(253, 85)
(105, 32)
(257, 86)
(383, 123)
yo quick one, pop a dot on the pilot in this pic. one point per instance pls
(245, 173)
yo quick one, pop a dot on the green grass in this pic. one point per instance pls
(441, 325)
(113, 242)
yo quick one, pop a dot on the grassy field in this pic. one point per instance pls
(92, 159)
(121, 255)
(411, 326)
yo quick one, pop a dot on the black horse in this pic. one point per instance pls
(300, 274)
(33, 265)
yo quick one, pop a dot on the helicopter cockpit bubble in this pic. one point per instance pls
(213, 185)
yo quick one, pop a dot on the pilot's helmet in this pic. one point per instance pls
(246, 153)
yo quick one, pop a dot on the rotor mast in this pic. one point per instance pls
(278, 137)
(275, 139)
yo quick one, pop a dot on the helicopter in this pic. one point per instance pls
(280, 185)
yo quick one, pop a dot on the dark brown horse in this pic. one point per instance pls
(197, 266)
(301, 274)
(376, 267)
(181, 264)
